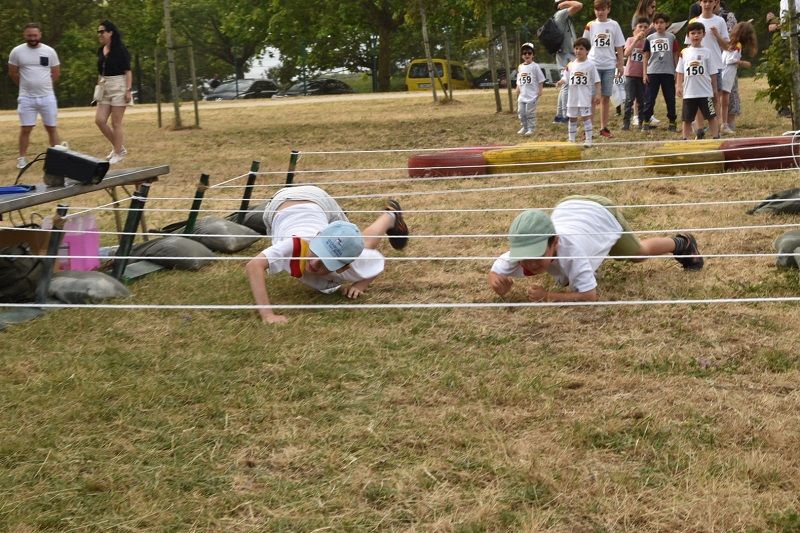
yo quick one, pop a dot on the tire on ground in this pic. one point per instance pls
(460, 162)
(532, 157)
(761, 154)
(698, 157)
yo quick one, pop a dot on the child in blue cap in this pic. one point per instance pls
(571, 244)
(313, 241)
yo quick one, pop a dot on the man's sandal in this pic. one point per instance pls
(398, 234)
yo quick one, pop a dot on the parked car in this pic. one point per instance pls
(418, 79)
(316, 87)
(247, 88)
(484, 81)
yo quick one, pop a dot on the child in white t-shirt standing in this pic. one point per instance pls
(584, 90)
(530, 82)
(715, 40)
(607, 41)
(743, 37)
(696, 82)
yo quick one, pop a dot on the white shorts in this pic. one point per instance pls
(30, 106)
(575, 112)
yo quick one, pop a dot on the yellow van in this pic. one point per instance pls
(417, 78)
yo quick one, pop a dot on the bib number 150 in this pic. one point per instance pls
(695, 70)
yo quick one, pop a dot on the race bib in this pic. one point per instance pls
(660, 45)
(637, 55)
(579, 78)
(695, 68)
(603, 40)
(525, 79)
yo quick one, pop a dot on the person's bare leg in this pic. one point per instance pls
(24, 139)
(604, 110)
(713, 126)
(117, 112)
(374, 233)
(52, 135)
(101, 119)
(656, 246)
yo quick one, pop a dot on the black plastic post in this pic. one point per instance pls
(248, 191)
(198, 199)
(52, 250)
(131, 222)
(292, 165)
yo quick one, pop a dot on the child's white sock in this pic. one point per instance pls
(572, 130)
(587, 129)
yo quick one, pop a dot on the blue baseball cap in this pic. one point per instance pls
(337, 245)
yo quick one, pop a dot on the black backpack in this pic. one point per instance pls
(551, 35)
(19, 276)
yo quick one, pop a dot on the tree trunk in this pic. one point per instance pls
(384, 58)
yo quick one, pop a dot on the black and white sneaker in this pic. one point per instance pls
(686, 252)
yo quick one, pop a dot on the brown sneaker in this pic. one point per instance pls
(398, 234)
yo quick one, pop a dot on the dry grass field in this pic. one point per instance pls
(608, 418)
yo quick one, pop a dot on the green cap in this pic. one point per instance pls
(529, 234)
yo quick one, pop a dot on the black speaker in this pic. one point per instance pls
(60, 163)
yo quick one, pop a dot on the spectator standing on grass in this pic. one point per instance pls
(530, 82)
(565, 10)
(715, 41)
(313, 241)
(571, 243)
(116, 81)
(743, 38)
(607, 42)
(34, 67)
(660, 58)
(774, 22)
(584, 92)
(696, 80)
(634, 84)
(646, 9)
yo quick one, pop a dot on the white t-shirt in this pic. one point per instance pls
(605, 37)
(584, 229)
(730, 66)
(709, 41)
(304, 221)
(697, 66)
(34, 66)
(581, 77)
(529, 77)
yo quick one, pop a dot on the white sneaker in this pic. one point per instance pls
(654, 121)
(521, 131)
(635, 120)
(116, 158)
(22, 161)
(528, 133)
(123, 153)
(726, 129)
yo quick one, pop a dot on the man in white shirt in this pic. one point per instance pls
(34, 67)
(571, 244)
(774, 23)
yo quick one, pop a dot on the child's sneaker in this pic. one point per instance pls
(700, 134)
(605, 132)
(727, 130)
(22, 161)
(686, 252)
(626, 125)
(528, 133)
(521, 131)
(673, 127)
(654, 121)
(398, 234)
(635, 120)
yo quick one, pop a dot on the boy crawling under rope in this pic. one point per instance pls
(571, 244)
(313, 241)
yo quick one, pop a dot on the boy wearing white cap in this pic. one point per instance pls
(571, 244)
(530, 82)
(313, 241)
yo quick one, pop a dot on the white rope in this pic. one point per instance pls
(501, 188)
(104, 207)
(428, 236)
(476, 210)
(442, 305)
(402, 150)
(220, 184)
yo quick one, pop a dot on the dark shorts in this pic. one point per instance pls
(692, 105)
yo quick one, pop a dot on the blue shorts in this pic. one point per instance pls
(606, 81)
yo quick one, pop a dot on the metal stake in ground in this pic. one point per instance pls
(126, 241)
(248, 191)
(202, 185)
(292, 165)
